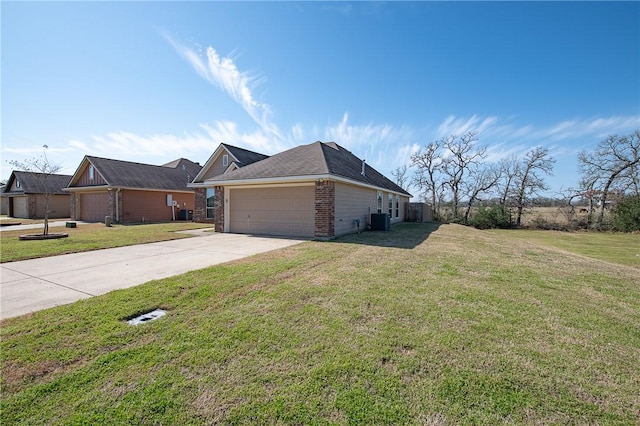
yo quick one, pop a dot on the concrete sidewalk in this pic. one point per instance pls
(52, 224)
(31, 285)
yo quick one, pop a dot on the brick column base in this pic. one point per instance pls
(325, 208)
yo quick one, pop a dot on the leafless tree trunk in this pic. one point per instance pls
(483, 178)
(462, 155)
(41, 169)
(509, 169)
(428, 163)
(528, 180)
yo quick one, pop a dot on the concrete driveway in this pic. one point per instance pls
(31, 285)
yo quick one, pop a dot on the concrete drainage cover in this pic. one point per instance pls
(149, 316)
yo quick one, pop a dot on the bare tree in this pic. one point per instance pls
(614, 162)
(462, 154)
(428, 163)
(481, 180)
(509, 169)
(41, 169)
(400, 175)
(528, 180)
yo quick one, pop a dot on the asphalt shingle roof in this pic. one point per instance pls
(145, 176)
(32, 183)
(317, 158)
(244, 156)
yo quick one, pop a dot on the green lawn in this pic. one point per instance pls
(88, 237)
(420, 325)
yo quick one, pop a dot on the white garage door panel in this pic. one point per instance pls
(20, 207)
(273, 211)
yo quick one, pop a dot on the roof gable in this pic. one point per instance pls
(240, 156)
(118, 173)
(37, 183)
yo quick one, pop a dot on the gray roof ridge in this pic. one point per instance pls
(133, 162)
(321, 145)
(40, 173)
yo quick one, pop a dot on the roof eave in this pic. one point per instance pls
(130, 188)
(291, 179)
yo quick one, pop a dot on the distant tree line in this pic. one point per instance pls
(610, 177)
(454, 176)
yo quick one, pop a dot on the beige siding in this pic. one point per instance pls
(20, 207)
(217, 168)
(15, 186)
(4, 205)
(59, 206)
(151, 206)
(353, 202)
(282, 211)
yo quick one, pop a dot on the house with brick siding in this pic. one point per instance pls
(320, 190)
(130, 192)
(24, 195)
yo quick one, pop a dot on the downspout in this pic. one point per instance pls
(117, 205)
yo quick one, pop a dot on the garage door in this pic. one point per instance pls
(20, 207)
(93, 207)
(286, 211)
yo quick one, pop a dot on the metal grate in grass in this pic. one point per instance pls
(149, 316)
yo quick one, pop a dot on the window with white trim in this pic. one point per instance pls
(211, 198)
(379, 202)
(17, 183)
(91, 172)
(390, 206)
(225, 160)
(397, 206)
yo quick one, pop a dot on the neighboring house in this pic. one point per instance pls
(320, 190)
(224, 159)
(25, 195)
(132, 192)
(4, 201)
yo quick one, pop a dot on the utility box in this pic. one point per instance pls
(380, 222)
(186, 214)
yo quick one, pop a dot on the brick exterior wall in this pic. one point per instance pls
(218, 209)
(31, 206)
(111, 205)
(200, 209)
(325, 209)
(72, 206)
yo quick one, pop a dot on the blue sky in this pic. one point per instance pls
(155, 81)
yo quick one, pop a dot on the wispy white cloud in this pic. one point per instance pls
(352, 136)
(130, 145)
(222, 72)
(459, 126)
(596, 127)
(381, 144)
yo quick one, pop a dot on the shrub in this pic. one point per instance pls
(625, 216)
(492, 217)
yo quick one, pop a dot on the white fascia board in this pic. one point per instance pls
(289, 179)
